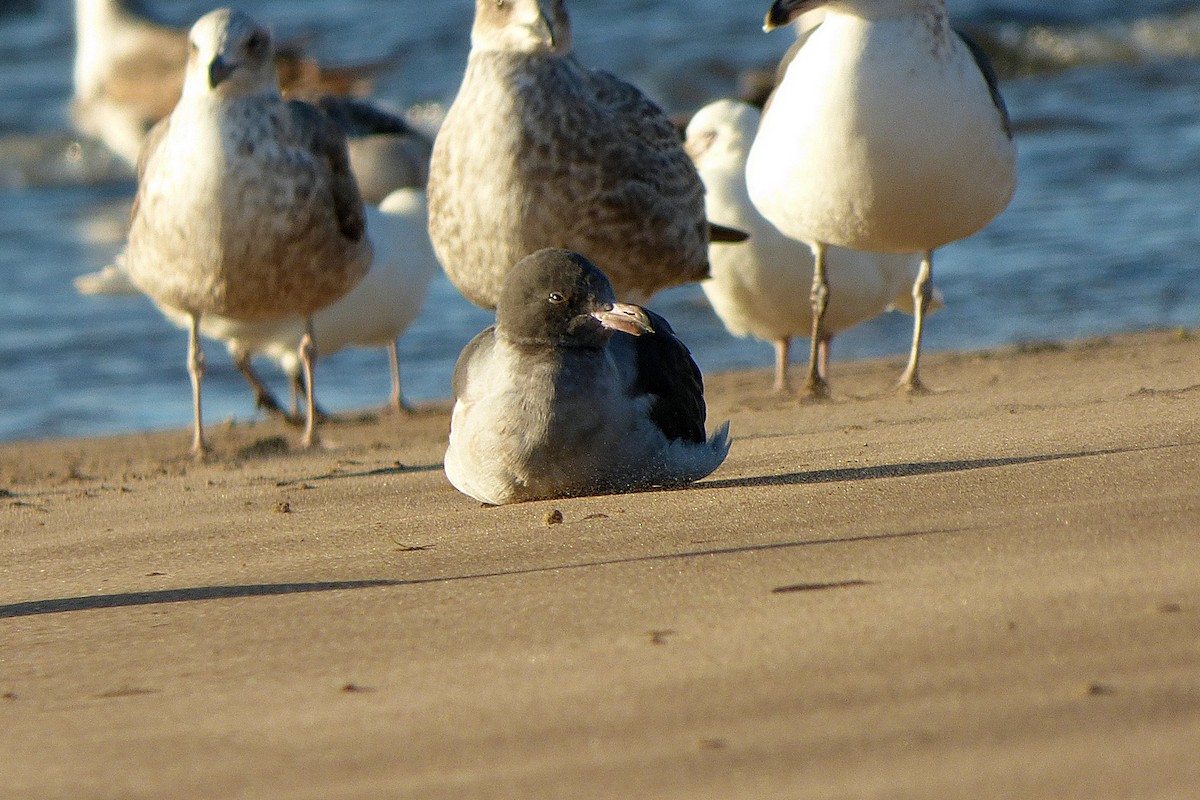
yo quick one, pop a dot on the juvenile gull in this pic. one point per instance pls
(539, 151)
(887, 133)
(372, 314)
(246, 206)
(572, 393)
(762, 287)
(129, 71)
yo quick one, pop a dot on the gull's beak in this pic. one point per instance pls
(625, 317)
(784, 11)
(218, 70)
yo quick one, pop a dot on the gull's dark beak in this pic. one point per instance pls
(784, 11)
(625, 317)
(218, 71)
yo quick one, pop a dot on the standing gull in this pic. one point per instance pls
(572, 393)
(762, 287)
(539, 151)
(372, 314)
(246, 206)
(887, 133)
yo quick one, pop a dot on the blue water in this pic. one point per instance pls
(1100, 238)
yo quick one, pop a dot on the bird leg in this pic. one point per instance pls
(196, 371)
(922, 293)
(396, 402)
(308, 357)
(295, 389)
(296, 382)
(823, 356)
(783, 348)
(814, 384)
(262, 395)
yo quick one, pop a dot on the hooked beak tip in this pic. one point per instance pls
(625, 317)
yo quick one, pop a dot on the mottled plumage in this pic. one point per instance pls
(571, 393)
(539, 151)
(246, 206)
(373, 314)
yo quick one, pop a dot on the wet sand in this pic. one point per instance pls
(992, 591)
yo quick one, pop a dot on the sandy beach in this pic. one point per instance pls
(992, 591)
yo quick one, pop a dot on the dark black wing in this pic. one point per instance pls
(665, 371)
(362, 117)
(989, 74)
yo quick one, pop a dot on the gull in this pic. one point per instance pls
(539, 151)
(129, 71)
(886, 133)
(762, 287)
(372, 314)
(386, 152)
(246, 206)
(572, 393)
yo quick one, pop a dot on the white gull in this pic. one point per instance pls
(887, 133)
(763, 286)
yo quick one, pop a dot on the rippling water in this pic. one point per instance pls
(1100, 238)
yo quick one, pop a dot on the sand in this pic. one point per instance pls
(992, 591)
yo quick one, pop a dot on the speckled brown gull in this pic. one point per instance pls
(246, 205)
(572, 393)
(373, 314)
(539, 151)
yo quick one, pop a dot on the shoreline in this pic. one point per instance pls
(987, 591)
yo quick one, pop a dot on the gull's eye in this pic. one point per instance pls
(256, 43)
(557, 298)
(501, 3)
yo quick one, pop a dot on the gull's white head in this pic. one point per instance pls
(230, 54)
(720, 134)
(521, 26)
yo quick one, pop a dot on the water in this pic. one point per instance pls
(1100, 238)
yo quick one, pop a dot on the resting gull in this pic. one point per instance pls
(571, 393)
(129, 71)
(372, 314)
(887, 133)
(762, 288)
(539, 151)
(246, 206)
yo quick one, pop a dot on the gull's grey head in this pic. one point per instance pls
(521, 26)
(558, 297)
(230, 53)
